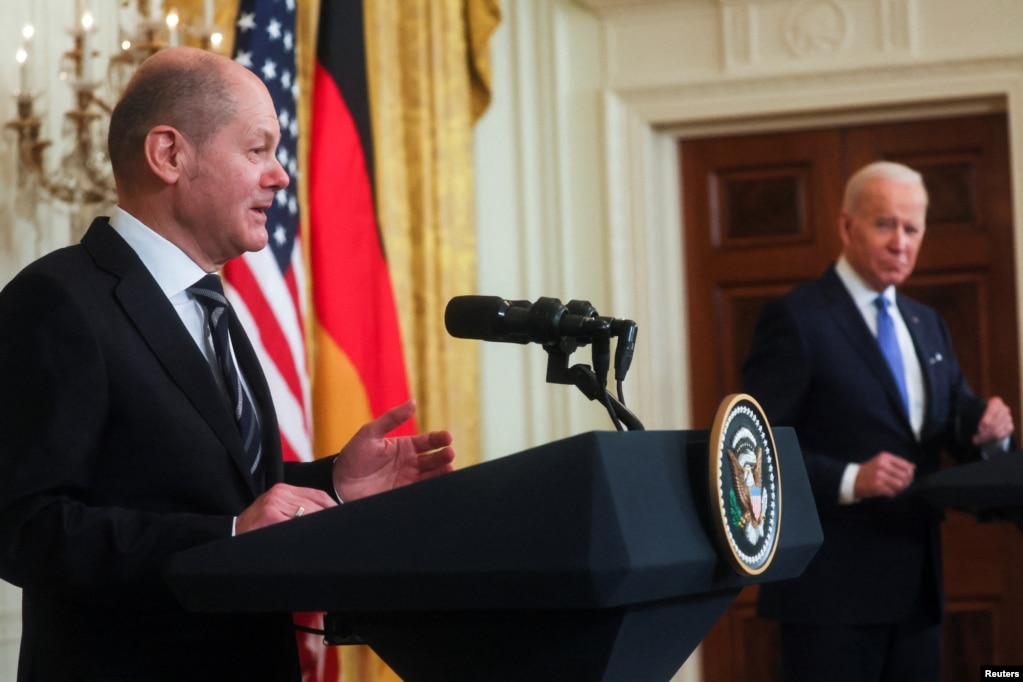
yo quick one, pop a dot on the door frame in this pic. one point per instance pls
(644, 197)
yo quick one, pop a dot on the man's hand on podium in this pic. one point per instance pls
(280, 503)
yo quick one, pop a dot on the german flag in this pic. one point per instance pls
(359, 370)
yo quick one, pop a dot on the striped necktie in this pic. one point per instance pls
(209, 292)
(890, 348)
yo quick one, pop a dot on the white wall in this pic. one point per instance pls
(554, 220)
(539, 211)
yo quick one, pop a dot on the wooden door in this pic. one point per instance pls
(761, 216)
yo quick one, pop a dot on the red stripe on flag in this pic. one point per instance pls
(288, 452)
(297, 300)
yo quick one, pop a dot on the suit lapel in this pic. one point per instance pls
(850, 322)
(160, 327)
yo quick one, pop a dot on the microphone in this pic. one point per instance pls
(492, 318)
(626, 331)
(561, 329)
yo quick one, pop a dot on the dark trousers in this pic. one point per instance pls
(909, 651)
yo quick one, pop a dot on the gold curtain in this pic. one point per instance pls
(419, 55)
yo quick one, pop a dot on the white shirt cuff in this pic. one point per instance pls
(847, 489)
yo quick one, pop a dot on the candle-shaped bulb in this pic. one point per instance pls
(22, 56)
(216, 38)
(87, 24)
(172, 27)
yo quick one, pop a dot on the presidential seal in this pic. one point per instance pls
(745, 485)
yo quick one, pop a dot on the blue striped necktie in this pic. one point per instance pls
(209, 292)
(890, 348)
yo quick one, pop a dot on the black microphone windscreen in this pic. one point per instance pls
(474, 317)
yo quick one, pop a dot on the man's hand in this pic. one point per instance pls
(371, 463)
(885, 475)
(280, 503)
(995, 424)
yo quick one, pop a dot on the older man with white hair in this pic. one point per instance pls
(868, 379)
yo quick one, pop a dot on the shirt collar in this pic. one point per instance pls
(860, 291)
(171, 267)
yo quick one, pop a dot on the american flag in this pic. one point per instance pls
(267, 288)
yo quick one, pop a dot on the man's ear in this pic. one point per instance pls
(167, 153)
(844, 224)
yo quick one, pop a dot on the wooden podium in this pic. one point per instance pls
(589, 558)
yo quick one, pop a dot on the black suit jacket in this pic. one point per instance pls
(815, 366)
(116, 451)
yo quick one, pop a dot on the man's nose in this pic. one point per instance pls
(279, 178)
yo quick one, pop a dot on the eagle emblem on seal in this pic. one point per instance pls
(747, 475)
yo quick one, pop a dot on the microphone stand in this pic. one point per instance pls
(585, 379)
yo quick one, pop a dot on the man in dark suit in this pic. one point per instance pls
(119, 445)
(869, 605)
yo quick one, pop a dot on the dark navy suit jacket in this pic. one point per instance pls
(814, 365)
(117, 449)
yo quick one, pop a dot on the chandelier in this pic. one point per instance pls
(82, 179)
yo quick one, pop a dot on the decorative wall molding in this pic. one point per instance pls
(739, 36)
(665, 44)
(877, 86)
(898, 25)
(816, 27)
